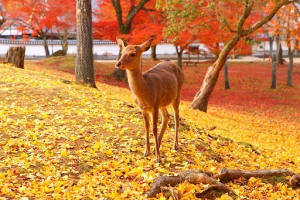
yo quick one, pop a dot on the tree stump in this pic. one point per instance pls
(15, 56)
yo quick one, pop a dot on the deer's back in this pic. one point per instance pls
(165, 80)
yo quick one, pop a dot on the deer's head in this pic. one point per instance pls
(131, 54)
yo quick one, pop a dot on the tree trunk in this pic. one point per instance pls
(65, 44)
(2, 21)
(290, 69)
(84, 70)
(271, 39)
(217, 50)
(227, 86)
(125, 27)
(274, 74)
(200, 100)
(153, 52)
(15, 56)
(45, 43)
(280, 56)
(275, 62)
(179, 53)
(119, 74)
(179, 60)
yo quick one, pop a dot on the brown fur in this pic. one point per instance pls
(152, 90)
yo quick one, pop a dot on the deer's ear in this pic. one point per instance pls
(146, 45)
(121, 43)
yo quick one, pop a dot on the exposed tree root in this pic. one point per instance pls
(216, 181)
(174, 193)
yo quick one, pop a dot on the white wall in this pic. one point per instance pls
(99, 49)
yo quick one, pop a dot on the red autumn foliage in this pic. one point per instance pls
(36, 15)
(147, 23)
(250, 87)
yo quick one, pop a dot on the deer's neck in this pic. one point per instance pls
(137, 82)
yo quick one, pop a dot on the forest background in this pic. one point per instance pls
(226, 28)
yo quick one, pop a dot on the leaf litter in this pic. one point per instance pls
(66, 141)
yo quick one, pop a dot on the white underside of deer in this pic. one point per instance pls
(153, 90)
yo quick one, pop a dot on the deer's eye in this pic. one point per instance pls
(132, 54)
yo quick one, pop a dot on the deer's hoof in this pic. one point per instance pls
(176, 147)
(146, 154)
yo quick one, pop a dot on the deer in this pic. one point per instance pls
(152, 90)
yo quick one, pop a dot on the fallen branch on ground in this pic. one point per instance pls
(216, 182)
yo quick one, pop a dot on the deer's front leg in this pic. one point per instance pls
(147, 127)
(165, 119)
(156, 140)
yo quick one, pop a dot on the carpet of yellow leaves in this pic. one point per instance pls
(59, 140)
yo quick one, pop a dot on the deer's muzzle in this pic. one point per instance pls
(117, 65)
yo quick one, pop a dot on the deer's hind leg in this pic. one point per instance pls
(165, 119)
(175, 105)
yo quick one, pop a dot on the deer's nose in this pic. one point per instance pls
(117, 65)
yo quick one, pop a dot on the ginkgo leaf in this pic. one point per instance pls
(92, 143)
(64, 152)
